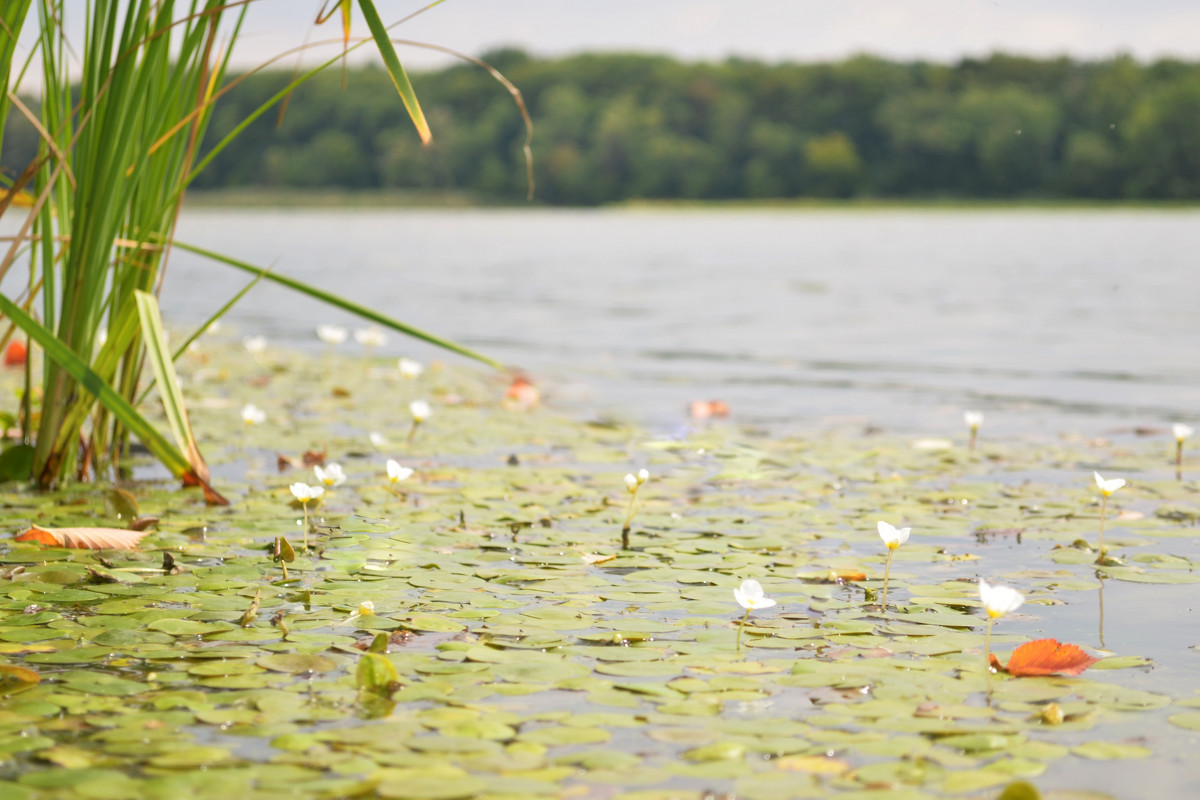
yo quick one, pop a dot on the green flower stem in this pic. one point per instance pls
(741, 627)
(987, 656)
(304, 504)
(1103, 512)
(887, 571)
(627, 526)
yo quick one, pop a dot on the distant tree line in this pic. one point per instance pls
(619, 126)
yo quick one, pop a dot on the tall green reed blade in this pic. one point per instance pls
(12, 19)
(399, 77)
(161, 363)
(342, 303)
(73, 365)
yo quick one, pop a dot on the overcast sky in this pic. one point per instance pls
(769, 30)
(772, 30)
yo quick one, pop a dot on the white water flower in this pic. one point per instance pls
(378, 440)
(305, 493)
(397, 473)
(255, 344)
(1107, 487)
(420, 410)
(893, 537)
(331, 475)
(750, 596)
(332, 334)
(409, 368)
(999, 600)
(634, 482)
(253, 415)
(370, 337)
(1182, 431)
(973, 419)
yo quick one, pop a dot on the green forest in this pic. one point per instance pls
(617, 127)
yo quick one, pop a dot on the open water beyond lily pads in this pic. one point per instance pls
(1047, 320)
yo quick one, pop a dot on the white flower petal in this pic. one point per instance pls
(1109, 486)
(420, 410)
(893, 537)
(410, 368)
(331, 334)
(750, 596)
(999, 600)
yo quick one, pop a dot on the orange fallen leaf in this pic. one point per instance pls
(704, 409)
(90, 538)
(846, 575)
(1046, 657)
(521, 395)
(14, 354)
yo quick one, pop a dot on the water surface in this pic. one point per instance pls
(1049, 320)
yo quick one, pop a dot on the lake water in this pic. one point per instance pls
(1048, 320)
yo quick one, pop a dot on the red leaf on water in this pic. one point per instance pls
(1046, 657)
(14, 354)
(89, 538)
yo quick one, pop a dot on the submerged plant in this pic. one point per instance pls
(750, 596)
(282, 554)
(973, 419)
(632, 484)
(1107, 487)
(997, 601)
(306, 494)
(892, 537)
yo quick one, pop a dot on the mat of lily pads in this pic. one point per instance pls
(533, 657)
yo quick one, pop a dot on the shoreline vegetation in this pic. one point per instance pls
(333, 199)
(612, 128)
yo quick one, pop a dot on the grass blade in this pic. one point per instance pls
(342, 303)
(161, 363)
(74, 366)
(399, 77)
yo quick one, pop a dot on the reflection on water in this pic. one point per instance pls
(1050, 319)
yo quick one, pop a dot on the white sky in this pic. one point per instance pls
(770, 30)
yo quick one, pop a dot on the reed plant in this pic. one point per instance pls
(121, 121)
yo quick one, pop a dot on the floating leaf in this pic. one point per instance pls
(375, 673)
(90, 538)
(15, 679)
(123, 503)
(1046, 657)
